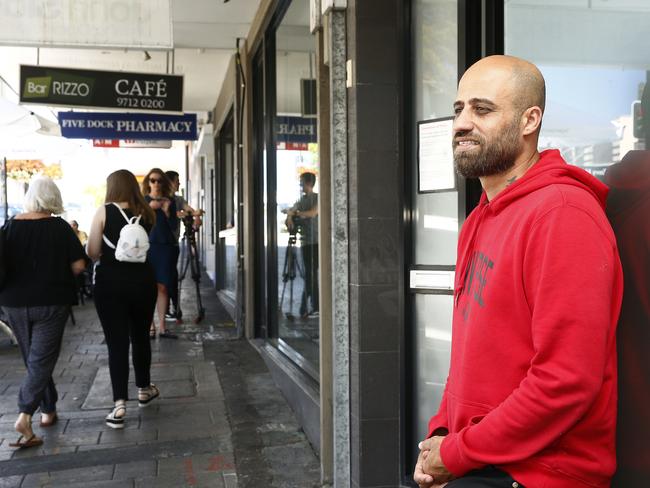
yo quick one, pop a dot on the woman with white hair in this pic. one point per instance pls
(41, 257)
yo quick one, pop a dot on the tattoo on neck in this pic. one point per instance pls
(511, 180)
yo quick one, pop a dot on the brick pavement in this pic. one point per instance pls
(198, 434)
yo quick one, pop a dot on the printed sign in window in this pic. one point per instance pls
(435, 156)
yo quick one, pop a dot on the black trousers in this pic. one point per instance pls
(172, 291)
(39, 331)
(126, 312)
(310, 260)
(489, 477)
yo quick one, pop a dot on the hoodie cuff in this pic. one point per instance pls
(453, 458)
(437, 426)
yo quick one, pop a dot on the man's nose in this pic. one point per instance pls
(463, 121)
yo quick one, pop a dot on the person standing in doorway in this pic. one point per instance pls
(303, 215)
(530, 399)
(125, 293)
(41, 257)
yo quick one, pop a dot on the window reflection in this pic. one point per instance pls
(297, 186)
(590, 134)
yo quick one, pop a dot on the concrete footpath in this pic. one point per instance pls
(220, 421)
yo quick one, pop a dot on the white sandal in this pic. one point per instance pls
(148, 394)
(114, 420)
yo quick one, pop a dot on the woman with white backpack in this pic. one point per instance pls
(125, 287)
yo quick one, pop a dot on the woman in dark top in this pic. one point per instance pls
(125, 293)
(163, 255)
(42, 255)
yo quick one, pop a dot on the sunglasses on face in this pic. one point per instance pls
(154, 180)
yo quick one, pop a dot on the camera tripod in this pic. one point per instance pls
(292, 268)
(189, 259)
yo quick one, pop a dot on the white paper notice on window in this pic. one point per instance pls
(435, 155)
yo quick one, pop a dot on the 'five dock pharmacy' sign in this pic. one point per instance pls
(107, 125)
(106, 89)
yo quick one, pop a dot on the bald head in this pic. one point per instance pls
(526, 83)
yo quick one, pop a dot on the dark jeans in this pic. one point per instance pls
(310, 260)
(39, 331)
(489, 477)
(126, 312)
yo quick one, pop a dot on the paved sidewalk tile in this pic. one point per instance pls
(63, 477)
(136, 469)
(11, 481)
(197, 434)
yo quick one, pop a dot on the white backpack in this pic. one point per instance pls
(133, 244)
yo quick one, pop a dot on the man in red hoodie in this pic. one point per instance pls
(530, 398)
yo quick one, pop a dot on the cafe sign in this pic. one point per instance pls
(106, 89)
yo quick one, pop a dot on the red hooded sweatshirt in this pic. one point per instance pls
(532, 382)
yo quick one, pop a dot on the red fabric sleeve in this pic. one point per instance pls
(571, 277)
(438, 424)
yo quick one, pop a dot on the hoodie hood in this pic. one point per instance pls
(551, 168)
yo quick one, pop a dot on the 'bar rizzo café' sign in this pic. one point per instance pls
(107, 89)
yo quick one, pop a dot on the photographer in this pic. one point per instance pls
(184, 210)
(303, 217)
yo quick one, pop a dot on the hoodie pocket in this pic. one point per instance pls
(463, 413)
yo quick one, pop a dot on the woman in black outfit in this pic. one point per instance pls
(125, 293)
(41, 256)
(163, 253)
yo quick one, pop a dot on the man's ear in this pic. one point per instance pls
(531, 119)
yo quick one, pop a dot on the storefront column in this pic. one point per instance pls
(325, 264)
(340, 248)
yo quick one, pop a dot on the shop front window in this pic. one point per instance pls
(435, 215)
(297, 183)
(227, 230)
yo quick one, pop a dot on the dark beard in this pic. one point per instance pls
(492, 159)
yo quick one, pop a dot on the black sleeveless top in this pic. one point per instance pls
(109, 269)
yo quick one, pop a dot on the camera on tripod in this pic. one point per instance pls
(188, 219)
(188, 224)
(189, 259)
(296, 228)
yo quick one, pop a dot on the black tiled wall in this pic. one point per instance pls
(375, 188)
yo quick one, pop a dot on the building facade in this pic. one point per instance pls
(349, 91)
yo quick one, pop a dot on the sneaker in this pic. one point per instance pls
(170, 317)
(147, 395)
(115, 419)
(314, 314)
